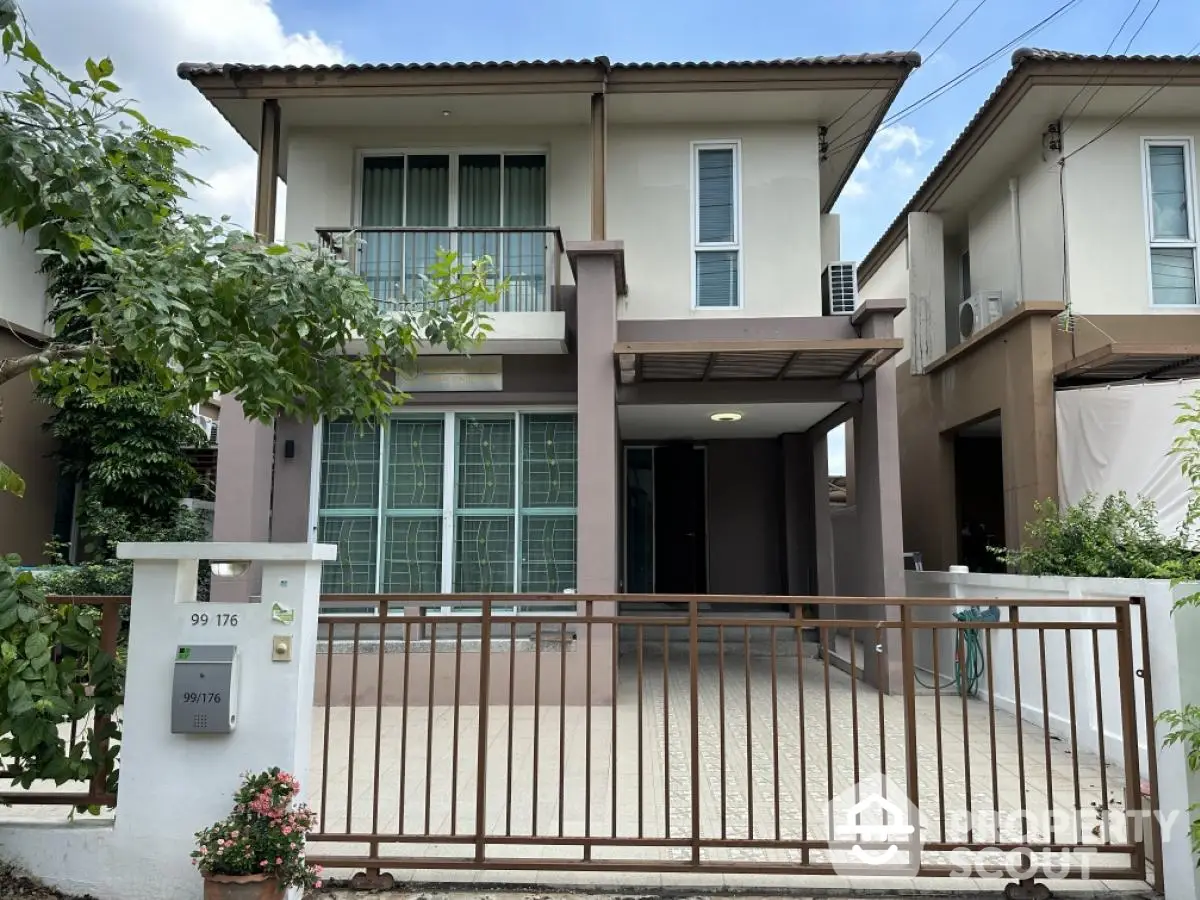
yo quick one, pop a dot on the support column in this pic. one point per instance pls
(596, 265)
(268, 172)
(926, 289)
(880, 524)
(246, 455)
(599, 165)
(826, 584)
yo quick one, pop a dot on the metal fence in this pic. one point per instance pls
(658, 734)
(395, 261)
(726, 740)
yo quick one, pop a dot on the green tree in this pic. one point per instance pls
(191, 305)
(199, 306)
(1184, 724)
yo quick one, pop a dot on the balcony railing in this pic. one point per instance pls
(394, 260)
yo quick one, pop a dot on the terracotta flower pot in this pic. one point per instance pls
(242, 887)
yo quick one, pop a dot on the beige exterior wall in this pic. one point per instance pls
(994, 261)
(890, 282)
(785, 240)
(1106, 213)
(831, 239)
(650, 209)
(23, 287)
(1041, 230)
(323, 170)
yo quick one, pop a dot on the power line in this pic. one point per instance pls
(1138, 104)
(938, 21)
(1104, 80)
(957, 28)
(1107, 50)
(1143, 25)
(953, 82)
(928, 31)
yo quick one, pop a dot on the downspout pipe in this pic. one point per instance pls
(1014, 195)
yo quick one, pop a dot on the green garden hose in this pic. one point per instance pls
(968, 654)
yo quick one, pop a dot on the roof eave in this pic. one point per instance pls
(1027, 65)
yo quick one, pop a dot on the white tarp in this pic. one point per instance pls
(1116, 438)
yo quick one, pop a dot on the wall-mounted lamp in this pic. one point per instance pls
(232, 568)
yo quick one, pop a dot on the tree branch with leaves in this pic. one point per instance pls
(199, 306)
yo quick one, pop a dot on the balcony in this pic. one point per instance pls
(393, 261)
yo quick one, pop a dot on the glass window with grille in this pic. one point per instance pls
(716, 241)
(451, 502)
(1171, 221)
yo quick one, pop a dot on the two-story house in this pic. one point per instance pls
(26, 523)
(649, 413)
(1053, 246)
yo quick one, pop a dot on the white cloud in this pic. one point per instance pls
(855, 187)
(895, 138)
(890, 159)
(146, 39)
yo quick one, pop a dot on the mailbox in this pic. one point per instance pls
(204, 689)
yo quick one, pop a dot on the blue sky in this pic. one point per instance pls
(651, 30)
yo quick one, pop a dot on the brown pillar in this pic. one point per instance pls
(880, 524)
(1028, 431)
(246, 455)
(599, 165)
(595, 266)
(826, 584)
(268, 172)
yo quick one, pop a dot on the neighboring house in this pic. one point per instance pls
(26, 523)
(649, 413)
(1053, 246)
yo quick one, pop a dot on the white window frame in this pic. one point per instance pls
(449, 459)
(1152, 243)
(736, 246)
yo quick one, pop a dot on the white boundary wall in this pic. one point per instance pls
(1175, 667)
(172, 785)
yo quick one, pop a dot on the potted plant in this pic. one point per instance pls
(257, 852)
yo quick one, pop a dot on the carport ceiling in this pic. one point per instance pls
(685, 421)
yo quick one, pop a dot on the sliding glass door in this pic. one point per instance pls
(457, 192)
(451, 502)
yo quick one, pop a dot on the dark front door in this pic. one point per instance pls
(679, 533)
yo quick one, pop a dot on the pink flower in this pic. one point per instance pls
(278, 861)
(287, 829)
(316, 884)
(263, 863)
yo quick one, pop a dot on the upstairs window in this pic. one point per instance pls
(717, 238)
(1171, 221)
(456, 192)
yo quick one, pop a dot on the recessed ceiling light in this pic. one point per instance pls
(726, 417)
(445, 112)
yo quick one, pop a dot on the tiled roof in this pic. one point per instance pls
(190, 70)
(1033, 53)
(1020, 56)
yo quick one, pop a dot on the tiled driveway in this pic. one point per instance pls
(750, 786)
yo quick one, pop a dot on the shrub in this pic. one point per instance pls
(1112, 538)
(114, 577)
(263, 836)
(54, 673)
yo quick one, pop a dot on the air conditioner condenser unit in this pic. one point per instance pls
(979, 311)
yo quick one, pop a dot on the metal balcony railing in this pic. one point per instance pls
(394, 260)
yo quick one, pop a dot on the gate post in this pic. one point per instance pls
(908, 686)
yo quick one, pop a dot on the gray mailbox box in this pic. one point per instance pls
(204, 689)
